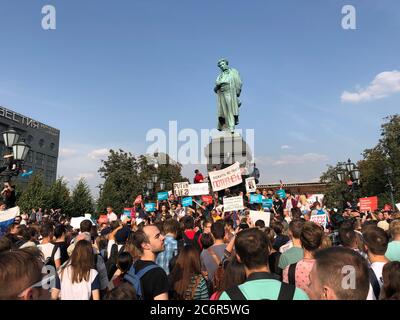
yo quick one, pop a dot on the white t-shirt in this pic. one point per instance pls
(47, 249)
(377, 267)
(77, 291)
(112, 217)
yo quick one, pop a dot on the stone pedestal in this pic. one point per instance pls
(226, 149)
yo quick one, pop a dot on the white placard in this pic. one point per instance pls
(398, 206)
(319, 219)
(198, 189)
(233, 204)
(181, 189)
(76, 222)
(225, 178)
(251, 185)
(260, 215)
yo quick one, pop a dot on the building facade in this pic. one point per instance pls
(43, 140)
(297, 188)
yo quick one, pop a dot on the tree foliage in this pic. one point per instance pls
(34, 195)
(125, 177)
(373, 178)
(81, 199)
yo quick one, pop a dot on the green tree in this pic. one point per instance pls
(82, 201)
(125, 177)
(58, 196)
(34, 194)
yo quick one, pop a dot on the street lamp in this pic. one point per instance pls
(19, 151)
(349, 170)
(389, 185)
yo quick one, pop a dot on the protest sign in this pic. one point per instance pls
(319, 219)
(207, 199)
(150, 207)
(76, 222)
(162, 195)
(260, 215)
(128, 212)
(198, 189)
(181, 189)
(398, 206)
(267, 203)
(281, 193)
(186, 202)
(233, 203)
(251, 185)
(312, 198)
(7, 218)
(255, 198)
(368, 204)
(225, 178)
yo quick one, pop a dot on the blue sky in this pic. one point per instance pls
(113, 70)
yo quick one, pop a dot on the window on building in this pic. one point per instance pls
(40, 159)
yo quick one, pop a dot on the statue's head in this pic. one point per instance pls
(223, 64)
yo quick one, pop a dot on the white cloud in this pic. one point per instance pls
(98, 154)
(285, 146)
(66, 152)
(384, 84)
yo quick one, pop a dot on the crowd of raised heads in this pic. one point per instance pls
(204, 253)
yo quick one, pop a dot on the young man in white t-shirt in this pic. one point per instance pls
(376, 242)
(47, 248)
(111, 216)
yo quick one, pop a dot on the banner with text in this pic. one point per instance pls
(233, 203)
(162, 195)
(181, 189)
(368, 204)
(225, 178)
(207, 199)
(150, 207)
(198, 189)
(260, 215)
(281, 193)
(255, 198)
(267, 203)
(251, 185)
(319, 219)
(186, 202)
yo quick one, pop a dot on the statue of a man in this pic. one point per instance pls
(228, 88)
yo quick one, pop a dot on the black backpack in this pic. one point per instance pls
(292, 274)
(286, 292)
(376, 288)
(50, 260)
(195, 242)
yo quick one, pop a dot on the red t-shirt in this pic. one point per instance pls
(198, 178)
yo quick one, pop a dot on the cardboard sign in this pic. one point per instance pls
(251, 185)
(233, 203)
(198, 189)
(162, 195)
(181, 189)
(368, 204)
(319, 219)
(225, 178)
(260, 215)
(255, 198)
(281, 193)
(207, 199)
(267, 203)
(150, 207)
(186, 202)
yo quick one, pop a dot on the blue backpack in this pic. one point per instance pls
(134, 278)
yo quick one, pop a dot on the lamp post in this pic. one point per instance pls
(348, 170)
(389, 185)
(19, 151)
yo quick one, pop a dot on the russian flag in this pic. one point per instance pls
(7, 218)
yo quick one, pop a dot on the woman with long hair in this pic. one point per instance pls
(186, 280)
(234, 275)
(79, 279)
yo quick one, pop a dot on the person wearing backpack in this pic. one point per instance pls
(190, 235)
(51, 253)
(211, 258)
(252, 249)
(149, 279)
(376, 243)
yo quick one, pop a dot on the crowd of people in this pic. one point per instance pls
(202, 252)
